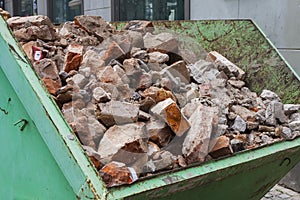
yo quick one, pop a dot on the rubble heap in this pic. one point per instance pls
(138, 106)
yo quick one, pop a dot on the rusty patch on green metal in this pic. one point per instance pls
(242, 43)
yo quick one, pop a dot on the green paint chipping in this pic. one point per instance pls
(244, 44)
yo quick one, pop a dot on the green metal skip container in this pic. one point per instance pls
(42, 159)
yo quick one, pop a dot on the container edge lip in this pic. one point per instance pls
(200, 170)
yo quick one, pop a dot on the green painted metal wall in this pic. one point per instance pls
(28, 169)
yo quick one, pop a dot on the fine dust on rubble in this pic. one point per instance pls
(141, 103)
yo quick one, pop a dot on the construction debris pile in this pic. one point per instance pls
(137, 104)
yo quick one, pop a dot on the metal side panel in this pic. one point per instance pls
(46, 121)
(28, 169)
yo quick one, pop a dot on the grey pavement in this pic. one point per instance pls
(281, 193)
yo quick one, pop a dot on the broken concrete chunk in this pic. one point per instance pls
(94, 156)
(100, 95)
(85, 136)
(239, 124)
(266, 139)
(178, 69)
(146, 104)
(32, 28)
(192, 94)
(263, 128)
(69, 30)
(154, 66)
(159, 132)
(237, 145)
(225, 65)
(162, 160)
(221, 130)
(163, 42)
(295, 125)
(95, 25)
(269, 95)
(113, 52)
(38, 20)
(278, 131)
(145, 81)
(123, 40)
(237, 83)
(286, 133)
(291, 108)
(143, 116)
(95, 128)
(117, 112)
(165, 83)
(295, 117)
(203, 121)
(93, 60)
(47, 68)
(65, 96)
(139, 54)
(28, 48)
(158, 94)
(152, 148)
(131, 67)
(136, 39)
(244, 113)
(279, 112)
(252, 125)
(80, 80)
(203, 71)
(107, 75)
(73, 57)
(139, 26)
(269, 116)
(133, 154)
(221, 148)
(171, 114)
(51, 85)
(140, 164)
(275, 112)
(120, 138)
(189, 109)
(181, 161)
(158, 57)
(116, 173)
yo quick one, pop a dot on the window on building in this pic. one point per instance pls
(125, 10)
(64, 10)
(2, 4)
(23, 7)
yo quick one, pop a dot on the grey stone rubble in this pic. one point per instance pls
(138, 109)
(279, 192)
